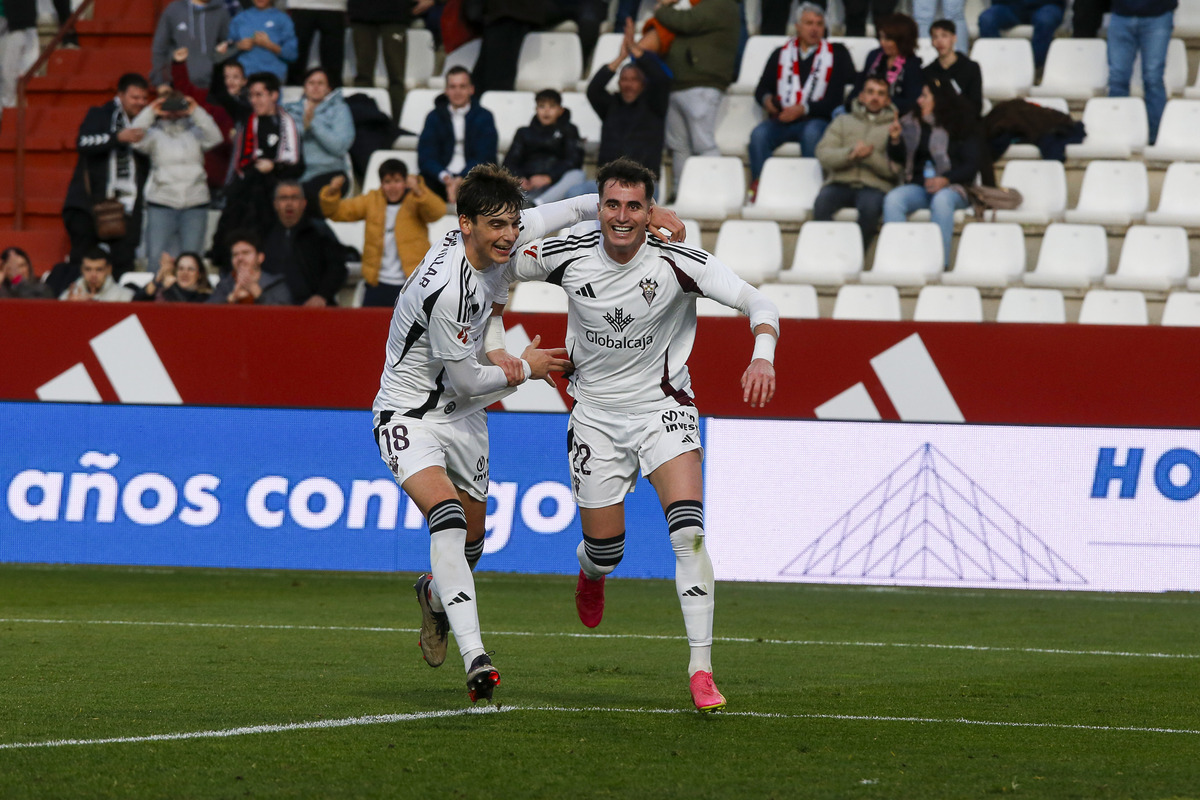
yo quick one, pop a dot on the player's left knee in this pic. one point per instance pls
(685, 521)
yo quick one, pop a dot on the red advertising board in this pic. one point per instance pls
(331, 358)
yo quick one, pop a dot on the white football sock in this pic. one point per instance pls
(453, 585)
(599, 557)
(693, 580)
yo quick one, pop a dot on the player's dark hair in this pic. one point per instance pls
(269, 81)
(548, 96)
(131, 79)
(97, 253)
(393, 166)
(489, 190)
(244, 235)
(625, 172)
(459, 69)
(944, 25)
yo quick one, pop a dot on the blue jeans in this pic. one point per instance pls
(558, 190)
(768, 135)
(1045, 21)
(925, 12)
(1150, 35)
(903, 200)
(174, 230)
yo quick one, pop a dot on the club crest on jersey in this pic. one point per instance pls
(648, 287)
(618, 320)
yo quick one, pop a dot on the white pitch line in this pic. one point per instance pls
(388, 719)
(636, 636)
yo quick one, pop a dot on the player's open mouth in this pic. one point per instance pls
(622, 229)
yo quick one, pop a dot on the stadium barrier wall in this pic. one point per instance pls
(1013, 507)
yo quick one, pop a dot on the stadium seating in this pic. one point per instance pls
(1193, 92)
(855, 301)
(691, 232)
(752, 248)
(990, 254)
(1007, 67)
(1179, 201)
(135, 280)
(949, 304)
(607, 48)
(584, 117)
(549, 60)
(1187, 20)
(1154, 258)
(1043, 187)
(907, 254)
(463, 56)
(1072, 257)
(1113, 193)
(1182, 309)
(787, 189)
(1116, 128)
(441, 226)
(1032, 305)
(711, 187)
(827, 254)
(794, 301)
(736, 118)
(512, 110)
(754, 60)
(1177, 139)
(1075, 69)
(371, 177)
(351, 234)
(417, 105)
(418, 62)
(707, 307)
(381, 97)
(1113, 307)
(536, 297)
(859, 47)
(1175, 76)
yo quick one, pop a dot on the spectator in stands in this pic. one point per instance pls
(854, 155)
(247, 283)
(216, 159)
(326, 133)
(1086, 16)
(953, 12)
(505, 23)
(96, 280)
(1141, 26)
(938, 150)
(20, 44)
(178, 280)
(178, 131)
(546, 154)
(702, 60)
(109, 167)
(953, 68)
(17, 279)
(303, 250)
(387, 21)
(266, 150)
(1044, 15)
(896, 61)
(327, 17)
(265, 39)
(232, 91)
(801, 85)
(856, 16)
(198, 25)
(458, 134)
(396, 234)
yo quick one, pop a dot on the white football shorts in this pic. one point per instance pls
(607, 448)
(460, 447)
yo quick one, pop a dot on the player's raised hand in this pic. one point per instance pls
(544, 362)
(758, 383)
(666, 218)
(514, 371)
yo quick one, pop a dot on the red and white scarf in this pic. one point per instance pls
(284, 151)
(790, 87)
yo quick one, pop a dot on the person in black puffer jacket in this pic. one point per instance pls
(546, 154)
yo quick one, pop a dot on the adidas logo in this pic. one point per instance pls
(688, 439)
(461, 597)
(586, 291)
(695, 591)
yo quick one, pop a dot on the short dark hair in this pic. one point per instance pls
(878, 78)
(288, 183)
(97, 253)
(944, 25)
(489, 190)
(269, 80)
(626, 172)
(901, 29)
(233, 62)
(459, 69)
(244, 235)
(393, 166)
(313, 71)
(548, 96)
(131, 79)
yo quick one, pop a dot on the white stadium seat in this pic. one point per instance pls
(827, 254)
(536, 297)
(949, 304)
(1174, 77)
(136, 280)
(754, 60)
(907, 254)
(1043, 187)
(1113, 307)
(1075, 69)
(1154, 258)
(1187, 20)
(867, 302)
(371, 177)
(441, 226)
(1113, 193)
(1072, 257)
(512, 110)
(290, 94)
(1179, 201)
(1177, 139)
(691, 232)
(351, 234)
(382, 99)
(794, 301)
(419, 59)
(990, 254)
(1116, 128)
(787, 189)
(417, 105)
(707, 307)
(463, 56)
(737, 116)
(607, 48)
(1182, 310)
(859, 48)
(1032, 305)
(1193, 91)
(751, 248)
(549, 60)
(1007, 67)
(711, 187)
(584, 117)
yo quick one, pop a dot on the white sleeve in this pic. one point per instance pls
(539, 222)
(722, 284)
(761, 311)
(470, 378)
(526, 264)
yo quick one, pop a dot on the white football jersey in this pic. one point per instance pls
(630, 327)
(440, 316)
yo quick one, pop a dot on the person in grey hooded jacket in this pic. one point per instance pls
(326, 133)
(198, 25)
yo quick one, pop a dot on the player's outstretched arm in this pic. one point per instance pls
(542, 363)
(495, 351)
(758, 381)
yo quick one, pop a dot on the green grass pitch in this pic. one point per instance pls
(222, 683)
